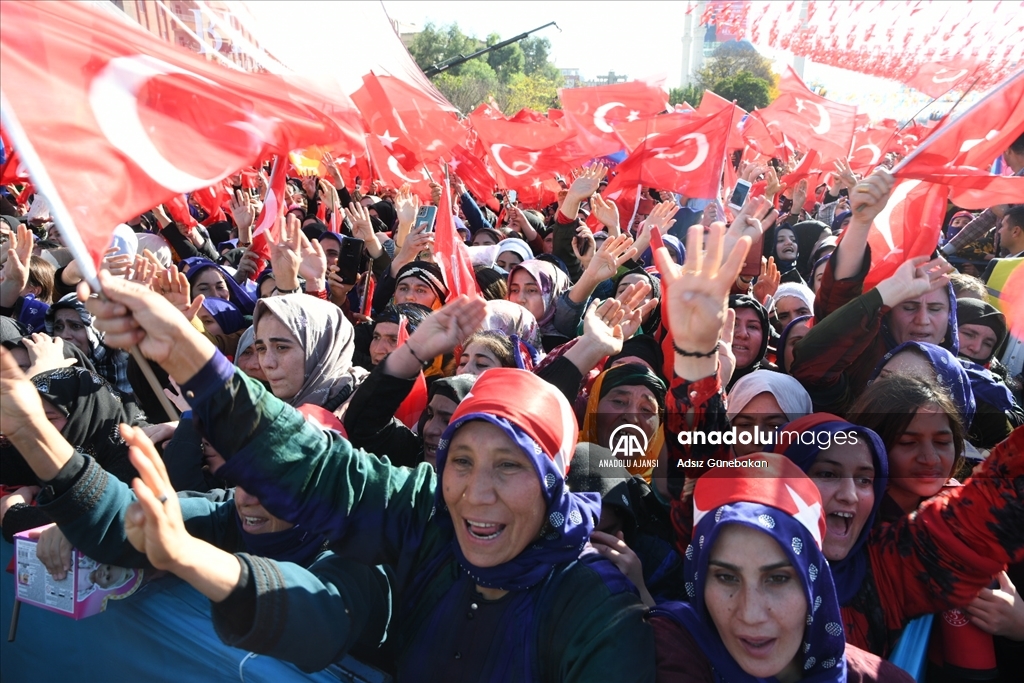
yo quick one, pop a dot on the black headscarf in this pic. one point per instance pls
(652, 324)
(738, 301)
(634, 374)
(807, 234)
(640, 346)
(94, 412)
(978, 312)
(386, 212)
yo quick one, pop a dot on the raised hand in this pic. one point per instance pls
(584, 245)
(45, 353)
(696, 296)
(174, 287)
(359, 217)
(143, 271)
(774, 185)
(119, 265)
(845, 177)
(248, 267)
(286, 255)
(15, 272)
(799, 197)
(662, 216)
(406, 205)
(634, 301)
(914, 278)
(417, 242)
(768, 281)
(607, 212)
(588, 180)
(332, 170)
(602, 327)
(750, 221)
(438, 334)
(726, 357)
(20, 400)
(870, 195)
(613, 253)
(244, 212)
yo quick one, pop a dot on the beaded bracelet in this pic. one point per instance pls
(693, 354)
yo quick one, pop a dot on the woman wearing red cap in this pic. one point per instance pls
(490, 575)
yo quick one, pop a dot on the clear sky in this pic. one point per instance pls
(638, 39)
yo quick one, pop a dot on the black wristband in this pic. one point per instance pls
(694, 354)
(288, 291)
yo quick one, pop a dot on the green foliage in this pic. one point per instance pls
(691, 94)
(728, 60)
(749, 91)
(517, 76)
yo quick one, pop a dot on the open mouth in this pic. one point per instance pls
(757, 647)
(254, 524)
(484, 531)
(839, 523)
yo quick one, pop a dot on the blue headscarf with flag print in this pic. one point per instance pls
(778, 500)
(848, 573)
(952, 375)
(541, 422)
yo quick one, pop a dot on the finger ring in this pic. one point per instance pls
(162, 499)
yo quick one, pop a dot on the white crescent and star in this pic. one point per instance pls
(824, 122)
(701, 141)
(397, 170)
(955, 77)
(601, 112)
(387, 140)
(519, 167)
(876, 153)
(113, 98)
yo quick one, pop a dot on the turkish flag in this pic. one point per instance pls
(907, 227)
(475, 173)
(452, 251)
(811, 121)
(598, 110)
(415, 403)
(711, 104)
(634, 133)
(212, 200)
(122, 120)
(265, 230)
(960, 153)
(764, 140)
(431, 123)
(810, 168)
(687, 160)
(870, 145)
(935, 78)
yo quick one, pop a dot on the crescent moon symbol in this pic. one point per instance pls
(958, 75)
(825, 124)
(876, 153)
(701, 156)
(397, 170)
(601, 112)
(520, 167)
(113, 98)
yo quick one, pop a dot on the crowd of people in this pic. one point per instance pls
(369, 463)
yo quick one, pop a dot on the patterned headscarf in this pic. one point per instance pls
(951, 373)
(552, 282)
(849, 572)
(511, 319)
(780, 501)
(326, 337)
(541, 422)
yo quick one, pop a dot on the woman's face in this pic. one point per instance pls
(789, 308)
(210, 283)
(413, 290)
(757, 602)
(476, 358)
(525, 291)
(845, 477)
(921, 459)
(249, 363)
(385, 340)
(267, 286)
(210, 323)
(747, 337)
(549, 242)
(764, 412)
(439, 414)
(785, 245)
(507, 260)
(332, 250)
(977, 342)
(795, 335)
(493, 494)
(281, 357)
(255, 518)
(68, 325)
(627, 404)
(483, 238)
(819, 274)
(55, 415)
(924, 319)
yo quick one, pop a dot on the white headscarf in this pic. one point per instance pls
(792, 397)
(794, 289)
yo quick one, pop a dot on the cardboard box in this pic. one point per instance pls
(83, 592)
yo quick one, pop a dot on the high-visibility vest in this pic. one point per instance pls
(997, 280)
